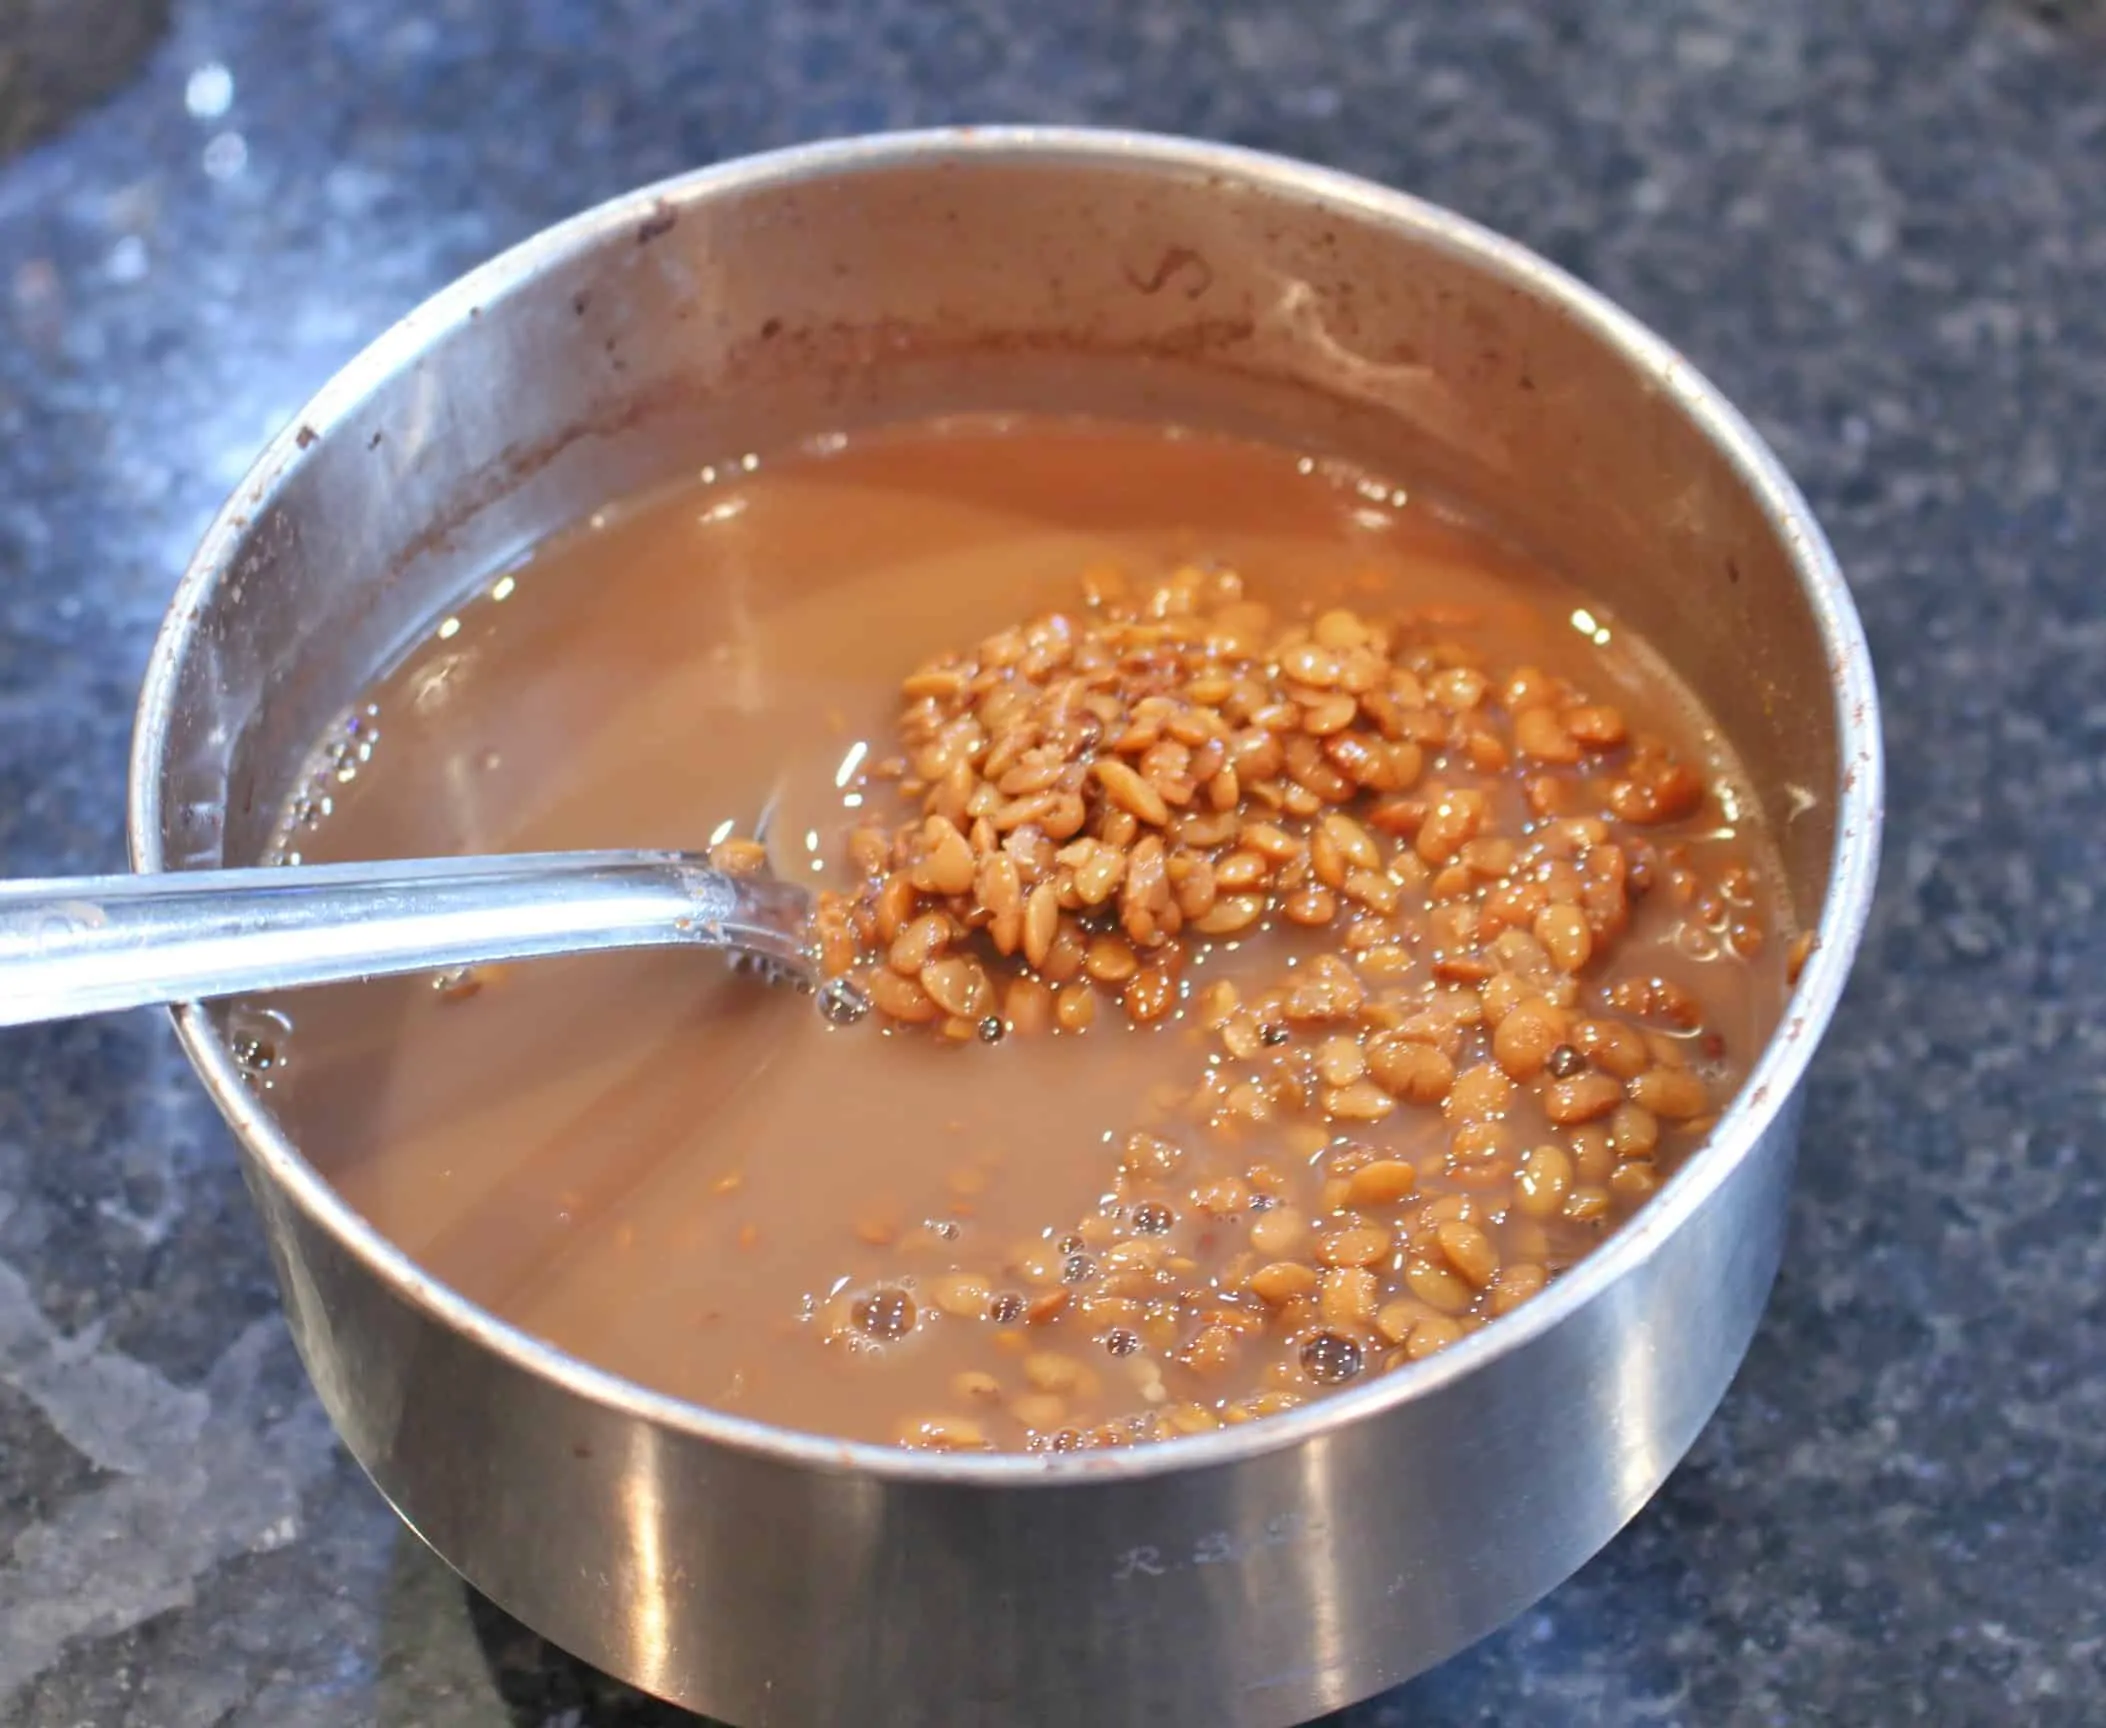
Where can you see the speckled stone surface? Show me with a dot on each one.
(1881, 226)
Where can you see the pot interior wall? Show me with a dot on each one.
(623, 353)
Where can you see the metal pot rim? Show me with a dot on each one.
(1859, 776)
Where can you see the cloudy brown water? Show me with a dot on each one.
(670, 1172)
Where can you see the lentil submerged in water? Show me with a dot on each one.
(1299, 929)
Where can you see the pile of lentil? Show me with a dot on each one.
(1451, 1089)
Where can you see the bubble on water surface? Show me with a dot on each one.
(1331, 1358)
(886, 1313)
(257, 1038)
(842, 1003)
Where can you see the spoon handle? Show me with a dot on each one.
(93, 944)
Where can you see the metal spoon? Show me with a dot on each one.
(93, 944)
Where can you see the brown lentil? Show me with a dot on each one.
(1075, 1007)
(1633, 1181)
(1581, 1099)
(1674, 1093)
(1358, 1245)
(1435, 1332)
(1382, 1183)
(1415, 1072)
(1469, 1250)
(1346, 1296)
(1526, 1038)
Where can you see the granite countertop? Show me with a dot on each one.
(1881, 227)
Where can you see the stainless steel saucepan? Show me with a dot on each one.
(1258, 1576)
